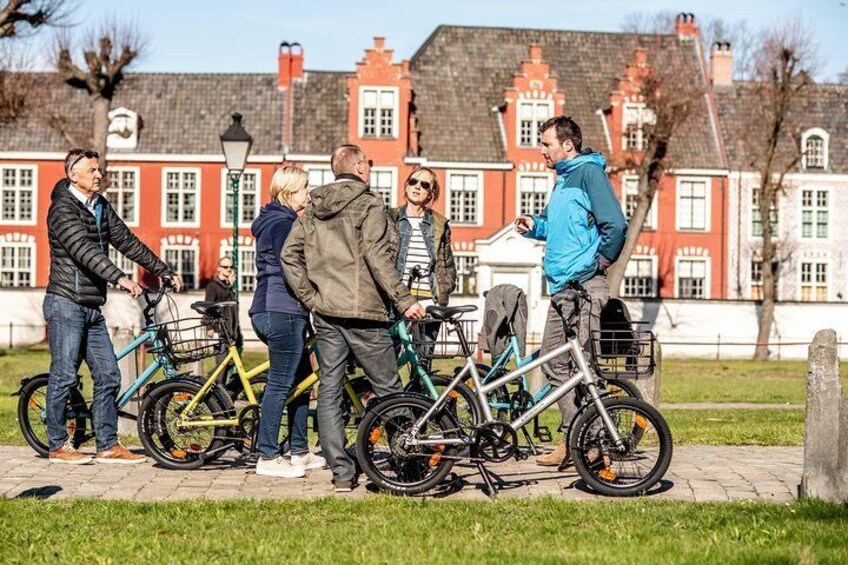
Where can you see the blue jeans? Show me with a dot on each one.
(285, 335)
(78, 332)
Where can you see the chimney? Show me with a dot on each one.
(379, 42)
(721, 64)
(290, 64)
(535, 53)
(685, 26)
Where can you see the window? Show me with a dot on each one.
(246, 263)
(533, 193)
(814, 147)
(639, 279)
(814, 281)
(756, 219)
(532, 114)
(17, 195)
(181, 196)
(466, 275)
(127, 266)
(319, 176)
(122, 193)
(383, 183)
(249, 197)
(465, 197)
(693, 205)
(17, 264)
(814, 214)
(183, 261)
(756, 280)
(692, 278)
(634, 118)
(377, 116)
(631, 200)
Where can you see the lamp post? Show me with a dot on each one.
(236, 143)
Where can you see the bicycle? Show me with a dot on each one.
(32, 394)
(408, 443)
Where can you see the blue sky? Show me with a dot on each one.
(242, 36)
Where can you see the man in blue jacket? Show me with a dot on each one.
(584, 228)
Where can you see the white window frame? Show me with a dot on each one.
(458, 291)
(393, 197)
(707, 275)
(751, 283)
(395, 108)
(193, 246)
(449, 195)
(30, 244)
(654, 275)
(815, 132)
(651, 219)
(16, 221)
(707, 204)
(814, 285)
(225, 186)
(198, 188)
(246, 245)
(549, 181)
(324, 170)
(755, 209)
(535, 122)
(136, 197)
(643, 116)
(121, 261)
(815, 208)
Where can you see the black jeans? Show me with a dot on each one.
(371, 345)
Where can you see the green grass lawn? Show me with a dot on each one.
(391, 530)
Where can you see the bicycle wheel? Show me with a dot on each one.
(394, 466)
(633, 469)
(623, 389)
(32, 415)
(463, 402)
(176, 447)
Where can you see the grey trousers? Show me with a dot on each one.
(372, 346)
(558, 370)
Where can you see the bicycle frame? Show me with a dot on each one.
(160, 361)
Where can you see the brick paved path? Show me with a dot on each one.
(697, 473)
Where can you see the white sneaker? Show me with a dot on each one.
(279, 467)
(309, 461)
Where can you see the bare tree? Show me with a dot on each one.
(105, 52)
(785, 61)
(843, 77)
(740, 36)
(19, 18)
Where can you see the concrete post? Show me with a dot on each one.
(122, 338)
(650, 387)
(825, 473)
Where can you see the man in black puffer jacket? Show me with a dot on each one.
(81, 225)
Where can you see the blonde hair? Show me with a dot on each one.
(286, 181)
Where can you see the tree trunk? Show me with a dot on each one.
(768, 197)
(100, 108)
(615, 273)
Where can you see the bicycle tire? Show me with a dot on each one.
(582, 445)
(29, 409)
(628, 387)
(409, 407)
(158, 435)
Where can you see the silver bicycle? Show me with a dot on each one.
(407, 443)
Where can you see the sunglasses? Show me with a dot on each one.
(84, 155)
(424, 184)
(369, 161)
(226, 267)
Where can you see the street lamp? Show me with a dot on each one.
(236, 143)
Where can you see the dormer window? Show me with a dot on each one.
(378, 112)
(532, 114)
(634, 118)
(123, 129)
(814, 144)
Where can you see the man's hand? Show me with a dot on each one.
(524, 224)
(176, 281)
(129, 286)
(414, 312)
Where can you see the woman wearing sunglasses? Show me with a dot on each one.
(425, 243)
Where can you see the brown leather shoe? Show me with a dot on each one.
(119, 455)
(555, 458)
(70, 456)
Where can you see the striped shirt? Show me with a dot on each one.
(417, 255)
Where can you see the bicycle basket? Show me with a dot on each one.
(624, 351)
(446, 344)
(188, 340)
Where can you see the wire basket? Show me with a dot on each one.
(189, 339)
(624, 351)
(446, 344)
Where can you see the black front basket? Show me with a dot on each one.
(624, 351)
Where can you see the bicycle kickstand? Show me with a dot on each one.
(530, 442)
(490, 489)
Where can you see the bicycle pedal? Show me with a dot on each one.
(543, 433)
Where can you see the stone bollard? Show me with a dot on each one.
(825, 473)
(123, 337)
(650, 387)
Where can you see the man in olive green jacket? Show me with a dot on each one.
(339, 260)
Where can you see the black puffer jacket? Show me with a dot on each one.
(79, 253)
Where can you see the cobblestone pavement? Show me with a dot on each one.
(697, 473)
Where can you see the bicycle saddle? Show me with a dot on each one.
(207, 308)
(449, 312)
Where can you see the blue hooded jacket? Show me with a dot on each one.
(582, 223)
(270, 229)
